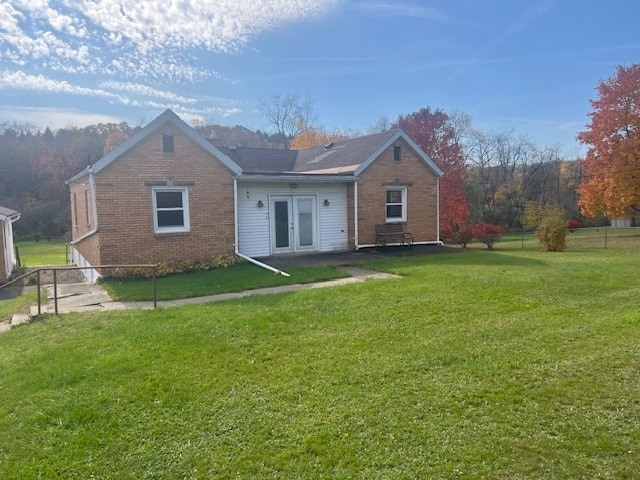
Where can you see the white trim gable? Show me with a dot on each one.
(166, 117)
(416, 148)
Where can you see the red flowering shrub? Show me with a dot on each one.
(487, 233)
(573, 224)
(456, 235)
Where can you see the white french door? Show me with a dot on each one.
(293, 223)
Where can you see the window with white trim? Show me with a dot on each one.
(396, 204)
(170, 210)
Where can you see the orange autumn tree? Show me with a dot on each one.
(318, 137)
(611, 184)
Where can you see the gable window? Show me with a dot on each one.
(396, 204)
(397, 150)
(170, 210)
(167, 143)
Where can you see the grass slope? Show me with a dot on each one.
(474, 365)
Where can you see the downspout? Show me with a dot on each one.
(92, 187)
(237, 252)
(438, 210)
(355, 212)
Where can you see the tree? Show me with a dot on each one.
(436, 136)
(289, 115)
(611, 180)
(318, 137)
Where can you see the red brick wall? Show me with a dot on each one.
(89, 248)
(125, 211)
(82, 211)
(421, 183)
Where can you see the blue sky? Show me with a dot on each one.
(530, 66)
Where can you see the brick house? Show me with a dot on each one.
(167, 194)
(7, 253)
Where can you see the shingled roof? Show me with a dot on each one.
(347, 157)
(7, 213)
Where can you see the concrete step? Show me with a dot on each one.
(19, 319)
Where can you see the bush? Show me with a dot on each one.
(487, 233)
(573, 224)
(456, 235)
(552, 232)
(180, 266)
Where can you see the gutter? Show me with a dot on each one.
(236, 251)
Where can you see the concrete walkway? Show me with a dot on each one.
(86, 297)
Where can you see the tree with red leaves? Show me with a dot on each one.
(436, 136)
(611, 184)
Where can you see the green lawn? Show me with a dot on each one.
(16, 305)
(43, 252)
(244, 276)
(507, 364)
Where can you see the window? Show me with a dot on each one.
(397, 204)
(170, 210)
(396, 153)
(167, 143)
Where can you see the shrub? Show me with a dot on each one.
(552, 231)
(456, 235)
(573, 224)
(487, 233)
(181, 266)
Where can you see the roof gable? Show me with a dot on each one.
(166, 117)
(399, 134)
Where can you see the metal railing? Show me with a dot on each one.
(55, 270)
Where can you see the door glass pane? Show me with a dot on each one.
(305, 222)
(282, 223)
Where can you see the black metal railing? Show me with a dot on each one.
(55, 270)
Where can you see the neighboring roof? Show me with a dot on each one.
(166, 116)
(7, 213)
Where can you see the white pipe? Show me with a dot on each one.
(263, 265)
(438, 209)
(355, 213)
(235, 214)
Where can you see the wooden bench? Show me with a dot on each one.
(392, 233)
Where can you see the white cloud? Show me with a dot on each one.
(147, 91)
(112, 91)
(55, 118)
(219, 25)
(138, 39)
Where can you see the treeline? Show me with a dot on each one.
(34, 166)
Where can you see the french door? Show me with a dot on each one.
(293, 223)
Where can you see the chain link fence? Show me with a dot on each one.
(580, 239)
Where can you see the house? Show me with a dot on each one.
(7, 253)
(169, 194)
